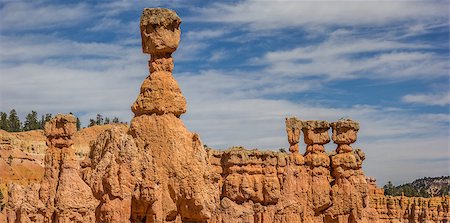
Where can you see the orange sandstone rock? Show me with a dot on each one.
(62, 195)
(293, 130)
(158, 171)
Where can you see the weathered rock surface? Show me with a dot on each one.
(293, 130)
(62, 195)
(158, 171)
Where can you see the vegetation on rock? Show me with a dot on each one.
(423, 187)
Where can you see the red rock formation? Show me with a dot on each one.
(158, 171)
(315, 136)
(387, 209)
(62, 195)
(349, 190)
(293, 130)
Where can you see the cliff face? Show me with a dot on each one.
(159, 171)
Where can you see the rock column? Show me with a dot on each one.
(350, 189)
(66, 196)
(318, 162)
(160, 93)
(293, 130)
(176, 179)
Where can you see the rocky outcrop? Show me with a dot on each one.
(162, 174)
(62, 195)
(350, 190)
(387, 209)
(158, 171)
(293, 130)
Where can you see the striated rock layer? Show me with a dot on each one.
(159, 171)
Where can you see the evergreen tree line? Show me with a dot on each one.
(410, 190)
(12, 122)
(100, 120)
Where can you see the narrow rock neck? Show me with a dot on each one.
(161, 62)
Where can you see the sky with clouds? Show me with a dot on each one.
(246, 65)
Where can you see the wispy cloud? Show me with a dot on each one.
(204, 34)
(260, 15)
(352, 58)
(34, 15)
(439, 99)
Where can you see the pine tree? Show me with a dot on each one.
(45, 119)
(115, 120)
(78, 124)
(31, 122)
(92, 122)
(4, 122)
(42, 122)
(106, 121)
(99, 119)
(14, 122)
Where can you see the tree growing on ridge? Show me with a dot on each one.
(45, 118)
(31, 122)
(14, 122)
(99, 119)
(78, 124)
(4, 122)
(92, 122)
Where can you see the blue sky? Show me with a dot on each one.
(244, 66)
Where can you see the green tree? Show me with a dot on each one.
(78, 124)
(106, 121)
(4, 122)
(44, 119)
(92, 122)
(99, 119)
(115, 120)
(14, 122)
(31, 122)
(389, 189)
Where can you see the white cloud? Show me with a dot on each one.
(342, 58)
(260, 15)
(204, 34)
(33, 48)
(33, 15)
(439, 99)
(194, 42)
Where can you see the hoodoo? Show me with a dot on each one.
(158, 171)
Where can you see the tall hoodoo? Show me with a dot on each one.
(316, 136)
(160, 93)
(66, 196)
(350, 189)
(175, 183)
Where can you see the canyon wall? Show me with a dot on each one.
(158, 171)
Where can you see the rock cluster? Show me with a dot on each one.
(158, 171)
